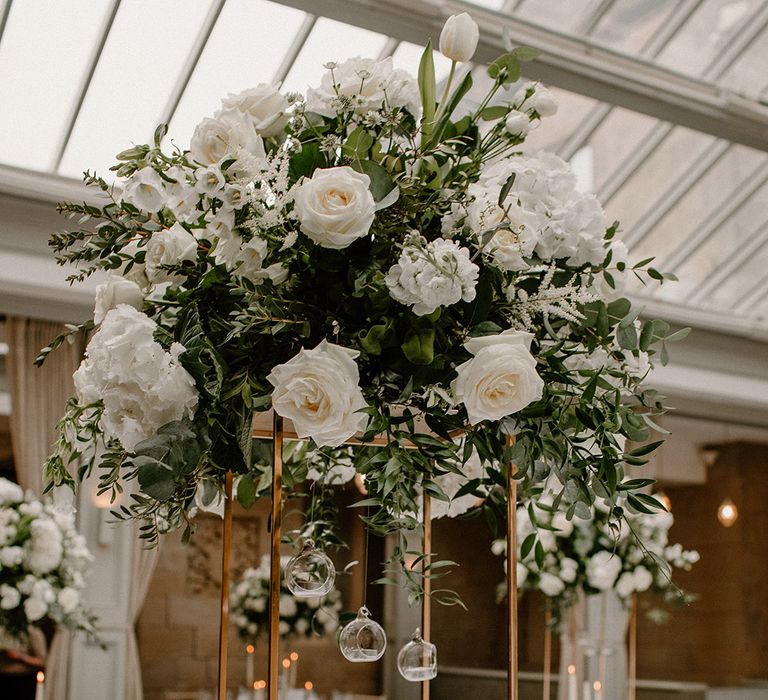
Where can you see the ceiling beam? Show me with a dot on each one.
(575, 64)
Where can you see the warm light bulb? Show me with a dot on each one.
(598, 686)
(665, 500)
(308, 685)
(40, 677)
(259, 685)
(250, 649)
(727, 513)
(294, 656)
(571, 670)
(286, 663)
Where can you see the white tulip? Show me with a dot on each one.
(458, 40)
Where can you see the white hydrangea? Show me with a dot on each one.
(44, 549)
(141, 385)
(431, 275)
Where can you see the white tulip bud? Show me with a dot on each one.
(458, 40)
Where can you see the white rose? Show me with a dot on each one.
(500, 379)
(335, 207)
(264, 104)
(602, 570)
(34, 608)
(68, 599)
(10, 597)
(145, 190)
(517, 123)
(318, 390)
(116, 290)
(458, 40)
(169, 247)
(225, 136)
(543, 101)
(550, 585)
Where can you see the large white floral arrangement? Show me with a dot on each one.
(367, 260)
(43, 562)
(563, 558)
(299, 617)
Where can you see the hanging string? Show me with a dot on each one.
(365, 558)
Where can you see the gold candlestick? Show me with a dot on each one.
(512, 619)
(226, 554)
(273, 665)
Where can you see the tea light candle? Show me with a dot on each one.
(40, 691)
(249, 673)
(294, 670)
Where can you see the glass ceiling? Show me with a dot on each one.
(83, 79)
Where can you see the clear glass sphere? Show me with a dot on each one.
(417, 660)
(363, 639)
(310, 574)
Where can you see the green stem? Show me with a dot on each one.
(444, 98)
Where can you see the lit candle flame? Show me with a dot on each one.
(308, 685)
(294, 656)
(598, 686)
(571, 670)
(286, 663)
(250, 649)
(40, 677)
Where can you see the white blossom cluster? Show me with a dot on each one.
(299, 617)
(43, 562)
(597, 554)
(142, 386)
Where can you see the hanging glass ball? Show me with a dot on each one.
(310, 574)
(417, 660)
(363, 639)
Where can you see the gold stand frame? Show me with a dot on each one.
(547, 681)
(277, 434)
(633, 650)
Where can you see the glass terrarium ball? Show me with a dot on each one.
(417, 660)
(310, 574)
(363, 639)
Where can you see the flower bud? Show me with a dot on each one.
(517, 123)
(458, 40)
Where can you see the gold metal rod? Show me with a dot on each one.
(512, 576)
(633, 650)
(547, 649)
(426, 603)
(273, 666)
(226, 556)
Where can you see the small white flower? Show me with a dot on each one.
(209, 180)
(10, 597)
(459, 37)
(10, 492)
(288, 606)
(145, 190)
(11, 556)
(169, 247)
(603, 569)
(116, 290)
(643, 579)
(264, 104)
(69, 600)
(35, 609)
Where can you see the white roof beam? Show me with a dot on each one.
(295, 48)
(575, 64)
(591, 22)
(755, 295)
(5, 10)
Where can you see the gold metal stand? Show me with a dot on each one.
(426, 603)
(226, 554)
(273, 668)
(633, 650)
(512, 577)
(547, 650)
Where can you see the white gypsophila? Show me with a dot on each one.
(169, 247)
(363, 85)
(429, 276)
(44, 548)
(266, 106)
(569, 569)
(141, 385)
(10, 492)
(116, 290)
(145, 190)
(319, 391)
(500, 379)
(335, 206)
(230, 134)
(603, 569)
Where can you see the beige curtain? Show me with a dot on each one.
(142, 569)
(38, 394)
(38, 401)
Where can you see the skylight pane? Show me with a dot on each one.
(706, 34)
(556, 14)
(733, 289)
(553, 131)
(407, 56)
(749, 74)
(142, 59)
(331, 41)
(246, 48)
(630, 24)
(44, 54)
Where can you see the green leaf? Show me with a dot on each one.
(381, 181)
(155, 478)
(527, 546)
(419, 346)
(306, 161)
(358, 143)
(491, 114)
(506, 189)
(160, 132)
(376, 338)
(525, 54)
(505, 69)
(627, 337)
(427, 88)
(246, 491)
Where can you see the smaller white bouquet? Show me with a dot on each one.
(299, 617)
(43, 562)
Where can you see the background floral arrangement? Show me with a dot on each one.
(43, 562)
(563, 558)
(299, 617)
(368, 260)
